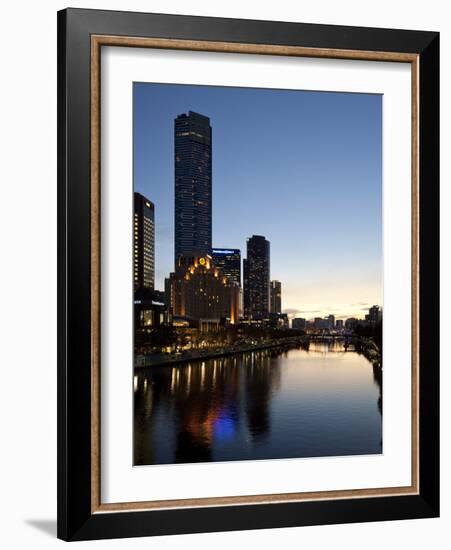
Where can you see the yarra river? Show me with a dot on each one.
(259, 405)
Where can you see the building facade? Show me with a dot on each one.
(257, 278)
(143, 243)
(277, 320)
(374, 315)
(150, 310)
(198, 290)
(351, 323)
(276, 297)
(193, 185)
(228, 261)
(299, 323)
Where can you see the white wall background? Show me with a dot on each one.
(28, 274)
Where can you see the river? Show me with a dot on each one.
(259, 405)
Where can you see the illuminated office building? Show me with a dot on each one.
(256, 270)
(143, 243)
(228, 260)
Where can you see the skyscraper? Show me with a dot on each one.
(143, 243)
(374, 315)
(276, 297)
(193, 186)
(228, 260)
(257, 277)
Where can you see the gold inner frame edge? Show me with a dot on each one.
(97, 41)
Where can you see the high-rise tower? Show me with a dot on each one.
(193, 186)
(143, 243)
(276, 297)
(257, 277)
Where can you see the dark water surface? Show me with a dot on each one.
(260, 405)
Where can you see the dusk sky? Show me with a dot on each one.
(304, 169)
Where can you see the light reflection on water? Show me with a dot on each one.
(260, 405)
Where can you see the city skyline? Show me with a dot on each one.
(341, 282)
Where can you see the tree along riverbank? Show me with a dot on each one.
(156, 360)
(363, 345)
(369, 348)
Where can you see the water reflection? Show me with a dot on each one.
(319, 402)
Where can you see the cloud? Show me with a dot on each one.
(293, 311)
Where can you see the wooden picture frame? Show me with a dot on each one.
(81, 35)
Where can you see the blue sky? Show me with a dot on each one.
(302, 168)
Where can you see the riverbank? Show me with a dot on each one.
(370, 350)
(365, 346)
(145, 361)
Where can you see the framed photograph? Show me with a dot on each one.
(248, 274)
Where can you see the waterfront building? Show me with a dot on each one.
(278, 320)
(276, 297)
(160, 296)
(143, 242)
(339, 324)
(374, 315)
(198, 290)
(228, 260)
(256, 270)
(150, 311)
(245, 308)
(193, 185)
(331, 322)
(240, 303)
(299, 323)
(168, 298)
(322, 323)
(351, 323)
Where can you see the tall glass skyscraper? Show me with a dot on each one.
(193, 186)
(256, 270)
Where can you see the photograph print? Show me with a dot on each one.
(257, 274)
